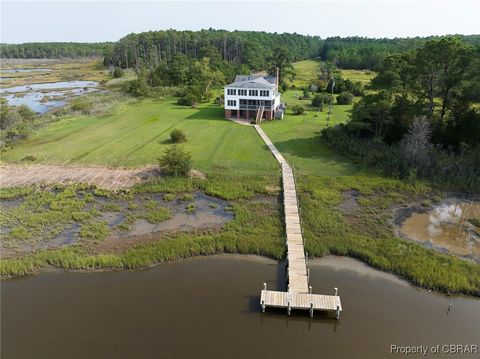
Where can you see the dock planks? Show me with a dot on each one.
(298, 295)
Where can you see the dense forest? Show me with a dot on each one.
(249, 48)
(54, 50)
(419, 120)
(367, 53)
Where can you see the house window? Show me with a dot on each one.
(242, 92)
(264, 93)
(231, 91)
(232, 102)
(253, 92)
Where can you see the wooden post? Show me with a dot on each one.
(263, 306)
(338, 312)
(289, 309)
(309, 289)
(306, 255)
(264, 286)
(336, 291)
(311, 309)
(308, 274)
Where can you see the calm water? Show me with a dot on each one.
(447, 226)
(208, 308)
(12, 71)
(44, 97)
(50, 86)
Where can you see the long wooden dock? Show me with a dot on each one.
(299, 294)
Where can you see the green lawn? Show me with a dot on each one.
(139, 134)
(298, 138)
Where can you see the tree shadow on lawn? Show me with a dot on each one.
(209, 113)
(313, 148)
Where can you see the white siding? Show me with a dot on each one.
(237, 98)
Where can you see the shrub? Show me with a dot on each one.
(176, 162)
(345, 98)
(298, 110)
(118, 72)
(82, 105)
(29, 158)
(319, 100)
(187, 100)
(178, 136)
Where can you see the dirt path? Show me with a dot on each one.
(12, 175)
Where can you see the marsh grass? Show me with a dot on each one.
(187, 197)
(158, 215)
(256, 229)
(95, 231)
(366, 233)
(191, 208)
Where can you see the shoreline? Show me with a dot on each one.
(347, 263)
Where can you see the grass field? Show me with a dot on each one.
(139, 134)
(59, 70)
(308, 71)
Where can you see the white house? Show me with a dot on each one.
(253, 97)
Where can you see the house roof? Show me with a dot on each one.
(253, 81)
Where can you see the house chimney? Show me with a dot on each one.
(277, 72)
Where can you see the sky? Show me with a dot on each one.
(97, 21)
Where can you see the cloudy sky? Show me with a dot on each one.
(90, 21)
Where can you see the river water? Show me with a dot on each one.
(208, 307)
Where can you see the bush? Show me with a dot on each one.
(345, 98)
(298, 110)
(118, 72)
(29, 158)
(319, 100)
(178, 136)
(187, 100)
(176, 162)
(82, 105)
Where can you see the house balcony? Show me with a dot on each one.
(256, 104)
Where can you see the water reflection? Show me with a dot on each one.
(448, 226)
(44, 97)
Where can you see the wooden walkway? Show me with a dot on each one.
(299, 294)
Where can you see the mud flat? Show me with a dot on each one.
(452, 226)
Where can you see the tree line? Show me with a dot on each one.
(250, 48)
(54, 50)
(367, 53)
